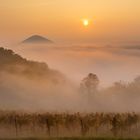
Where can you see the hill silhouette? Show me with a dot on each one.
(36, 39)
(29, 85)
(13, 63)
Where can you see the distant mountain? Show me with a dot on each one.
(36, 39)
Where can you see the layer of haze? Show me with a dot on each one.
(111, 21)
(34, 86)
(110, 63)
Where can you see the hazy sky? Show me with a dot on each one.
(110, 20)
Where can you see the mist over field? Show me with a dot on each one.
(55, 86)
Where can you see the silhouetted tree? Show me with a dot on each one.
(89, 85)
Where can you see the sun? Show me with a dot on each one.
(85, 22)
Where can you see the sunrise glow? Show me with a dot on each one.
(85, 22)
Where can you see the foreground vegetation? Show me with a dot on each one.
(72, 138)
(69, 124)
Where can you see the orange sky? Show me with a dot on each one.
(110, 20)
